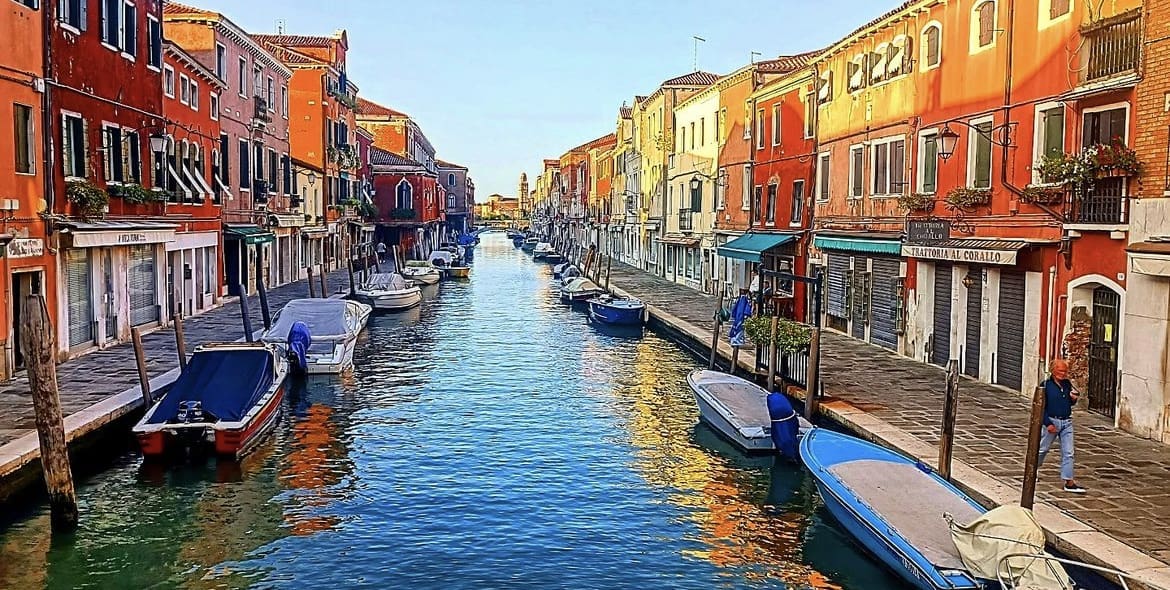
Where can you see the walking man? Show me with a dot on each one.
(1059, 397)
(381, 250)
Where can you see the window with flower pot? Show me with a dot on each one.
(1049, 142)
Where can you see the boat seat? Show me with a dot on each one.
(747, 406)
(910, 502)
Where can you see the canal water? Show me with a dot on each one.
(492, 438)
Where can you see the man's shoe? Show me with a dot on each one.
(1074, 489)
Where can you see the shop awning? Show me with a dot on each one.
(678, 240)
(969, 250)
(863, 245)
(751, 246)
(249, 234)
(118, 233)
(286, 219)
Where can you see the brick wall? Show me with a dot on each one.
(1153, 121)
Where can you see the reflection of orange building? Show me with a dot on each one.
(311, 468)
(28, 266)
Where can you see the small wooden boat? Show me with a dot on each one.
(334, 325)
(458, 272)
(421, 271)
(737, 409)
(530, 244)
(389, 292)
(893, 506)
(554, 257)
(560, 270)
(580, 289)
(227, 398)
(542, 250)
(622, 311)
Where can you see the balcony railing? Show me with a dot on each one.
(261, 113)
(685, 223)
(1103, 203)
(1114, 46)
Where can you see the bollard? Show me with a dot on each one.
(950, 413)
(180, 341)
(39, 346)
(1032, 460)
(714, 333)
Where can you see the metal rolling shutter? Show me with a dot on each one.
(860, 297)
(77, 270)
(941, 341)
(143, 286)
(974, 324)
(838, 271)
(883, 331)
(1010, 349)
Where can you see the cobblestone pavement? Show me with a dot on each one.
(1128, 477)
(94, 377)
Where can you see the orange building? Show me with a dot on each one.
(28, 268)
(1008, 260)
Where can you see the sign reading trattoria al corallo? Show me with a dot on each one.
(972, 255)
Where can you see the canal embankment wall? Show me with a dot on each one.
(667, 304)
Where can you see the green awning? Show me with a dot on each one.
(249, 234)
(865, 245)
(751, 245)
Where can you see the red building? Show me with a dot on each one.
(405, 195)
(194, 277)
(104, 79)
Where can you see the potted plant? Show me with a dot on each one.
(965, 197)
(1112, 159)
(916, 202)
(88, 199)
(1044, 194)
(791, 336)
(1063, 169)
(136, 194)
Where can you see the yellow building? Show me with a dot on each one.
(688, 242)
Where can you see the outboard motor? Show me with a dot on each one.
(299, 340)
(189, 411)
(785, 425)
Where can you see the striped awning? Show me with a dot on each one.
(863, 245)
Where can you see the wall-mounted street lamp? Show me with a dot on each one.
(947, 138)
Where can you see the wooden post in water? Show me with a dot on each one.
(245, 314)
(813, 381)
(772, 355)
(265, 312)
(609, 268)
(324, 283)
(734, 360)
(140, 362)
(39, 347)
(352, 285)
(714, 333)
(950, 413)
(1032, 459)
(180, 341)
(312, 286)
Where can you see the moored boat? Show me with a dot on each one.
(737, 409)
(622, 311)
(580, 289)
(530, 244)
(421, 271)
(227, 398)
(542, 250)
(554, 257)
(334, 325)
(389, 292)
(458, 272)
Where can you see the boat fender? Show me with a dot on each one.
(299, 340)
(785, 425)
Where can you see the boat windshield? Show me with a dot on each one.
(387, 282)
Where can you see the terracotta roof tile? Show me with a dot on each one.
(369, 107)
(288, 56)
(693, 79)
(788, 63)
(381, 157)
(446, 164)
(626, 112)
(298, 40)
(174, 8)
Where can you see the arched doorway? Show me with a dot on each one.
(1103, 351)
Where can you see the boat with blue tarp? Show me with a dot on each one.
(624, 311)
(228, 397)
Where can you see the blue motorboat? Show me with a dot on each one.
(623, 311)
(896, 507)
(518, 241)
(530, 244)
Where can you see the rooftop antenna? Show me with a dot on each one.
(280, 24)
(696, 59)
(754, 54)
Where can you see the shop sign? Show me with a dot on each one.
(970, 255)
(927, 231)
(26, 247)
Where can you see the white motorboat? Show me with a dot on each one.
(334, 325)
(422, 272)
(542, 250)
(389, 292)
(736, 408)
(580, 289)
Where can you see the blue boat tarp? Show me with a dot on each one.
(751, 246)
(226, 382)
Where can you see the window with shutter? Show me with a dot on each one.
(143, 284)
(932, 52)
(23, 134)
(797, 202)
(981, 174)
(77, 271)
(1105, 126)
(130, 30)
(133, 157)
(245, 165)
(823, 174)
(928, 163)
(856, 168)
(986, 15)
(1058, 8)
(770, 206)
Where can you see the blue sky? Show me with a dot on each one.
(497, 85)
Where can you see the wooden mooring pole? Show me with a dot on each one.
(39, 347)
(609, 268)
(714, 333)
(180, 341)
(312, 287)
(1032, 459)
(324, 284)
(352, 285)
(140, 362)
(265, 313)
(772, 355)
(245, 314)
(813, 381)
(946, 444)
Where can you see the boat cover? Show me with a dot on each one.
(387, 282)
(1005, 531)
(227, 383)
(785, 425)
(299, 341)
(326, 319)
(580, 284)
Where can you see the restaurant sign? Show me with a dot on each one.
(971, 255)
(26, 247)
(90, 239)
(927, 231)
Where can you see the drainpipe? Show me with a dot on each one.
(816, 161)
(1052, 340)
(47, 117)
